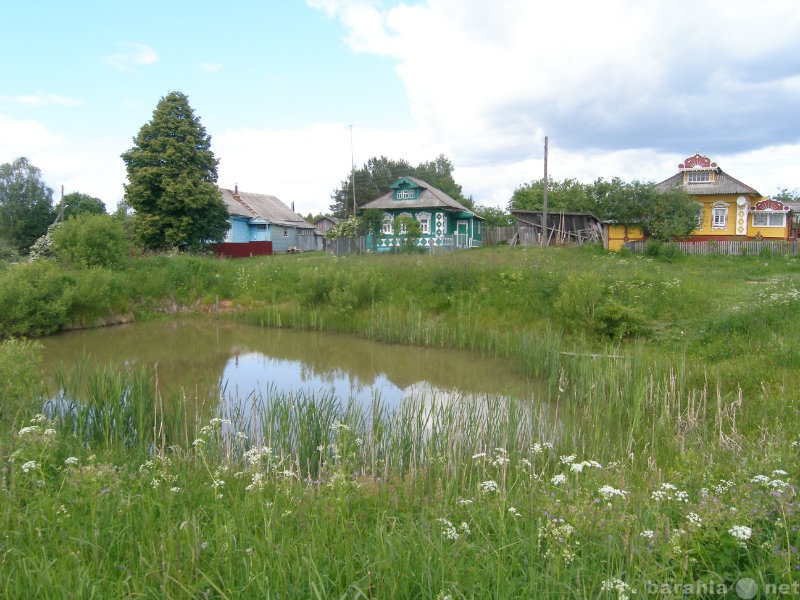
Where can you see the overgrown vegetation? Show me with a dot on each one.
(658, 450)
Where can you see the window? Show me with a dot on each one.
(477, 227)
(425, 224)
(386, 228)
(720, 217)
(405, 195)
(698, 177)
(769, 219)
(285, 232)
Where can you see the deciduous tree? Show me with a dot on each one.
(379, 173)
(172, 177)
(75, 203)
(26, 204)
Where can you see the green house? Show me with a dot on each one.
(444, 222)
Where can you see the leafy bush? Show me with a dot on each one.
(96, 293)
(90, 240)
(34, 300)
(20, 377)
(617, 321)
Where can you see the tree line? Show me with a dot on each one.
(176, 204)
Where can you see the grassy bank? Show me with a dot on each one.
(660, 452)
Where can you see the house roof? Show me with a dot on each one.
(723, 183)
(430, 197)
(269, 208)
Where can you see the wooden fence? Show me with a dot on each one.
(532, 236)
(734, 247)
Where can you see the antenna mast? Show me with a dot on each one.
(544, 203)
(352, 170)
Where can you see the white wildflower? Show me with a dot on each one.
(199, 442)
(38, 418)
(478, 455)
(218, 483)
(779, 472)
(175, 489)
(448, 530)
(617, 585)
(647, 533)
(488, 486)
(49, 431)
(28, 429)
(257, 482)
(28, 466)
(72, 460)
(525, 462)
(501, 461)
(567, 459)
(741, 533)
(513, 512)
(465, 528)
(695, 519)
(558, 479)
(608, 492)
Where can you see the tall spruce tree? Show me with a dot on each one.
(172, 177)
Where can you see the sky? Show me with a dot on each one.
(294, 92)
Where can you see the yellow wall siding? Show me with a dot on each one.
(616, 235)
(708, 203)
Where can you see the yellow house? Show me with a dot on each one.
(730, 209)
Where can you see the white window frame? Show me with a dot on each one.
(719, 216)
(386, 226)
(698, 177)
(424, 223)
(768, 219)
(404, 195)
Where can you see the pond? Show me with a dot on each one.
(210, 359)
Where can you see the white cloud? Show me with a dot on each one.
(306, 166)
(24, 137)
(134, 54)
(41, 99)
(89, 166)
(623, 88)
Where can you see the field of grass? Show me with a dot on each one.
(657, 457)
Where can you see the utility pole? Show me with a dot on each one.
(353, 170)
(544, 204)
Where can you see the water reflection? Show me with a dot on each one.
(197, 356)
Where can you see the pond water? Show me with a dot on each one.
(201, 357)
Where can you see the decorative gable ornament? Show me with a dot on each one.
(697, 162)
(770, 205)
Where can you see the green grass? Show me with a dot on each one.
(663, 420)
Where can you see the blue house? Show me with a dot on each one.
(444, 222)
(262, 224)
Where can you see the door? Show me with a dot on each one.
(462, 229)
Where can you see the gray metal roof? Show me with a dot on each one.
(430, 197)
(269, 208)
(724, 184)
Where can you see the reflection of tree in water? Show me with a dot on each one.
(191, 355)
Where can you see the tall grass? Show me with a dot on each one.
(655, 451)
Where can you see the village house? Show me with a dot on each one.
(262, 224)
(730, 210)
(444, 222)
